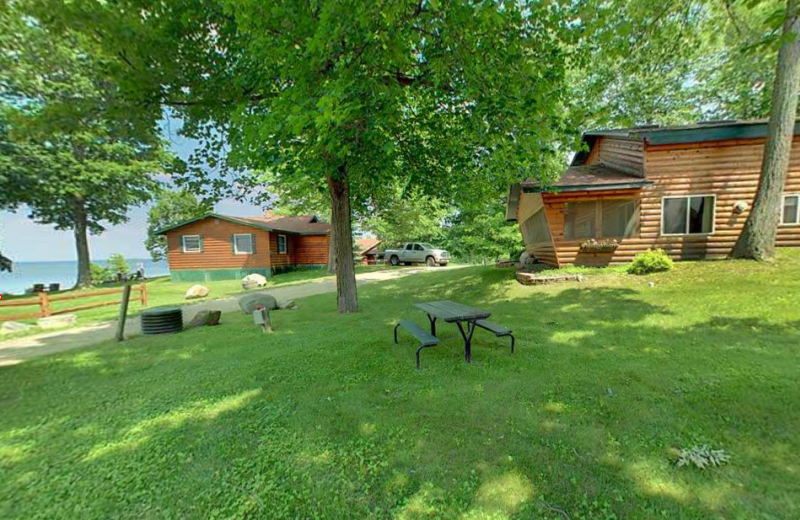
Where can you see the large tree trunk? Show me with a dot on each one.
(342, 237)
(757, 240)
(82, 244)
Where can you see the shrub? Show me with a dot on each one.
(651, 261)
(98, 274)
(117, 265)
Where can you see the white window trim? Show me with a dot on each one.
(199, 244)
(285, 244)
(687, 234)
(783, 207)
(236, 245)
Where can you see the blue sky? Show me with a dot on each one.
(22, 240)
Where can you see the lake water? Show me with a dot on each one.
(25, 274)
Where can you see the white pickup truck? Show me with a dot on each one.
(413, 252)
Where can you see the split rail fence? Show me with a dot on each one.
(45, 301)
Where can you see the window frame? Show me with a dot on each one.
(199, 244)
(285, 245)
(236, 245)
(688, 215)
(783, 209)
(598, 218)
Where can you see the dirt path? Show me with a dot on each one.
(18, 350)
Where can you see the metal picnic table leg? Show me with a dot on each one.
(432, 319)
(467, 339)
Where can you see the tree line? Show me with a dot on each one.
(364, 109)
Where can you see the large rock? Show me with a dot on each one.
(58, 322)
(251, 281)
(10, 327)
(205, 318)
(197, 291)
(286, 304)
(249, 302)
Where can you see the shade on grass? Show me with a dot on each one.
(327, 418)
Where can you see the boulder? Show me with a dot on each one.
(251, 281)
(10, 327)
(197, 291)
(286, 304)
(523, 258)
(58, 322)
(250, 302)
(205, 318)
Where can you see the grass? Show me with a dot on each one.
(327, 418)
(161, 292)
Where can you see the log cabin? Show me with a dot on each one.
(367, 250)
(685, 189)
(223, 247)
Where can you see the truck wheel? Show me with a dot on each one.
(394, 261)
(430, 261)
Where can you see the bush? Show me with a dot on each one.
(651, 261)
(118, 266)
(98, 274)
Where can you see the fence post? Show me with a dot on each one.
(123, 311)
(44, 304)
(143, 293)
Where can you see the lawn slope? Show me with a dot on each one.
(327, 418)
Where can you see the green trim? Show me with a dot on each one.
(590, 187)
(213, 275)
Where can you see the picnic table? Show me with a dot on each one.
(454, 312)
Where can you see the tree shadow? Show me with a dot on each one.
(328, 418)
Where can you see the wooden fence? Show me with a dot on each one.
(44, 301)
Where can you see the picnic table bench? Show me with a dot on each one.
(465, 317)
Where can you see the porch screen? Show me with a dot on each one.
(535, 230)
(580, 220)
(601, 219)
(619, 218)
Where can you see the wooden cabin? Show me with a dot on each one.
(685, 189)
(222, 247)
(367, 250)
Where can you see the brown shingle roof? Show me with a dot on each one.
(589, 177)
(305, 224)
(365, 244)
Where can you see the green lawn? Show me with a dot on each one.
(327, 418)
(161, 292)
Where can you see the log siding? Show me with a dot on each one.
(728, 170)
(218, 252)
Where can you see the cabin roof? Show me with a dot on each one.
(365, 245)
(300, 225)
(588, 178)
(693, 133)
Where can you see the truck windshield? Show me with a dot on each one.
(427, 246)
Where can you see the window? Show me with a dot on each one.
(790, 214)
(192, 243)
(601, 219)
(418, 247)
(688, 215)
(243, 244)
(535, 230)
(410, 247)
(282, 245)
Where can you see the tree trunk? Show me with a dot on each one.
(757, 240)
(342, 237)
(331, 253)
(82, 244)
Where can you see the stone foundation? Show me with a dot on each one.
(536, 279)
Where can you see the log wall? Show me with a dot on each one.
(727, 169)
(217, 250)
(620, 154)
